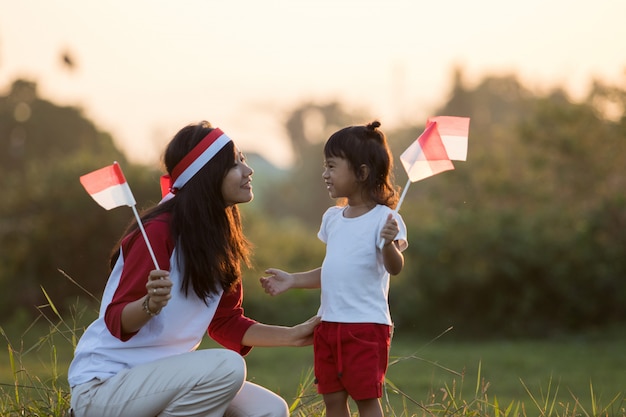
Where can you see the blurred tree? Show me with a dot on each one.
(525, 238)
(517, 240)
(522, 239)
(44, 223)
(302, 193)
(285, 244)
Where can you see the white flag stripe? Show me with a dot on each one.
(424, 169)
(115, 196)
(420, 170)
(413, 153)
(456, 147)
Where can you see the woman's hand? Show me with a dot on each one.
(303, 332)
(137, 313)
(159, 287)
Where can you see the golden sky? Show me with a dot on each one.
(145, 68)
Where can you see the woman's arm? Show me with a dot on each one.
(125, 307)
(260, 334)
(137, 313)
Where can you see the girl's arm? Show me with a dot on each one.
(280, 281)
(392, 257)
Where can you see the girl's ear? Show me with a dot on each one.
(363, 173)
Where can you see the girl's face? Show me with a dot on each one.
(237, 184)
(340, 178)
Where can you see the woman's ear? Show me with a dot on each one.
(364, 172)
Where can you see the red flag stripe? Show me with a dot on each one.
(451, 126)
(431, 144)
(103, 178)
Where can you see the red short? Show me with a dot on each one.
(351, 357)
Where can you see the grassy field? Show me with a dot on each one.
(561, 370)
(537, 375)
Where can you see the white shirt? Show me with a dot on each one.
(354, 281)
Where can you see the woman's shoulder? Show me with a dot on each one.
(161, 218)
(157, 227)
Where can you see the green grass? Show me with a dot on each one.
(511, 368)
(563, 370)
(563, 376)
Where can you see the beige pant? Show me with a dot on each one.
(204, 383)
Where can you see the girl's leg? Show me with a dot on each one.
(255, 401)
(200, 383)
(337, 404)
(369, 408)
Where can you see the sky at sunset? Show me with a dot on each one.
(145, 68)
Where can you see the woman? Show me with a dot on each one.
(139, 357)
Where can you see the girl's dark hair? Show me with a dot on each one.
(366, 145)
(207, 232)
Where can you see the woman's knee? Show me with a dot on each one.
(256, 401)
(232, 366)
(279, 407)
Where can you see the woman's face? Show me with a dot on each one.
(237, 184)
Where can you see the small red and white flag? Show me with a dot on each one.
(444, 139)
(454, 132)
(108, 187)
(426, 156)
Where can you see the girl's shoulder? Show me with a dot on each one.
(331, 215)
(380, 211)
(383, 208)
(333, 211)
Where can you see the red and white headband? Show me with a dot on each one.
(189, 166)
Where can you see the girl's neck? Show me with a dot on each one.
(356, 209)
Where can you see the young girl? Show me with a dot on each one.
(139, 358)
(351, 345)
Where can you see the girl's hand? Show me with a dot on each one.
(390, 230)
(277, 282)
(159, 288)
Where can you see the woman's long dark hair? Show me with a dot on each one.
(208, 234)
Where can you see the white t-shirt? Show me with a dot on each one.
(354, 281)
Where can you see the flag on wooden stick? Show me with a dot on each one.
(426, 156)
(444, 139)
(108, 187)
(454, 132)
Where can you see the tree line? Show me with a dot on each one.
(525, 238)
